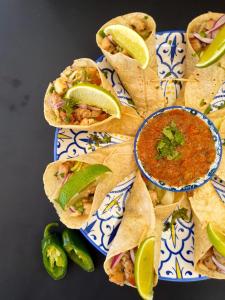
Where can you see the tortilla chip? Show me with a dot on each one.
(207, 205)
(139, 215)
(127, 124)
(201, 246)
(142, 85)
(119, 158)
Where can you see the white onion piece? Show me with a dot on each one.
(219, 265)
(116, 259)
(220, 22)
(132, 255)
(202, 39)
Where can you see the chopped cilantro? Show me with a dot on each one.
(167, 74)
(194, 54)
(79, 206)
(146, 17)
(171, 138)
(102, 33)
(202, 34)
(56, 174)
(95, 139)
(208, 109)
(181, 213)
(68, 107)
(169, 42)
(62, 175)
(222, 105)
(202, 102)
(105, 73)
(51, 90)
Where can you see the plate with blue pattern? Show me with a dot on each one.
(177, 245)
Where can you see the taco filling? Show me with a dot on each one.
(138, 23)
(78, 183)
(213, 261)
(122, 268)
(68, 111)
(205, 33)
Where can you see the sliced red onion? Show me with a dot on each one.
(214, 33)
(116, 259)
(93, 108)
(220, 22)
(84, 106)
(66, 178)
(202, 39)
(72, 209)
(219, 265)
(132, 255)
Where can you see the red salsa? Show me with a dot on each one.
(191, 156)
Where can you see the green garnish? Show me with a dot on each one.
(223, 142)
(222, 105)
(146, 17)
(171, 139)
(102, 33)
(105, 73)
(95, 139)
(202, 102)
(78, 205)
(181, 213)
(62, 175)
(169, 42)
(202, 34)
(167, 74)
(194, 54)
(68, 107)
(51, 90)
(208, 109)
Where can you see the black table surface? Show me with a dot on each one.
(37, 40)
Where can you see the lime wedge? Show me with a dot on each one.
(79, 181)
(217, 238)
(144, 268)
(131, 41)
(91, 94)
(214, 51)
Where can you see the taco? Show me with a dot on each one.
(142, 84)
(77, 186)
(62, 111)
(139, 214)
(207, 260)
(203, 83)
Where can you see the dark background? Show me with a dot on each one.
(37, 40)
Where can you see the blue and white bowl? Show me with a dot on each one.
(200, 181)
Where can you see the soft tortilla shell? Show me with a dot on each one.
(119, 158)
(207, 205)
(139, 215)
(201, 246)
(203, 83)
(127, 124)
(142, 85)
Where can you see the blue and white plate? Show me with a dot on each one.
(177, 245)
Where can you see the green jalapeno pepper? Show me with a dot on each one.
(76, 250)
(53, 254)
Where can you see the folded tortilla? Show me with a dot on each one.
(201, 247)
(120, 160)
(203, 83)
(207, 206)
(127, 124)
(137, 224)
(142, 85)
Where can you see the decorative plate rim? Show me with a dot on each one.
(214, 166)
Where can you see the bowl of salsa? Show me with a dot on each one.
(178, 148)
